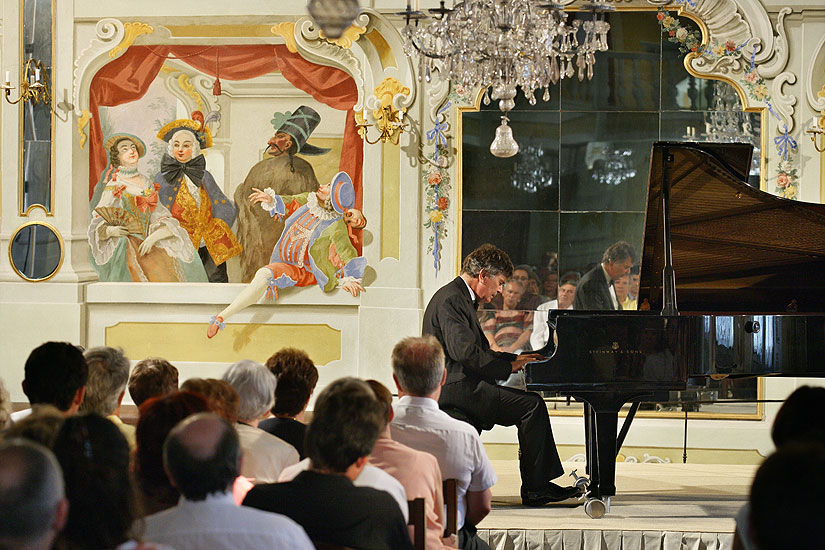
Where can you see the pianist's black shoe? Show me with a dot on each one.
(551, 493)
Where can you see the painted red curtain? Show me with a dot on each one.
(128, 77)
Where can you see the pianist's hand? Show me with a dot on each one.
(525, 358)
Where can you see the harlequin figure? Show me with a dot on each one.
(315, 246)
(190, 193)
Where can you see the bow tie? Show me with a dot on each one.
(173, 170)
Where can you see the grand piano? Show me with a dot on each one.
(732, 285)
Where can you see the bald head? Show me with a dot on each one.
(202, 456)
(32, 504)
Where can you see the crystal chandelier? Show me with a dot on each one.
(614, 168)
(726, 122)
(501, 45)
(532, 172)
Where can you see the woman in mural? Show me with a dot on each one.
(314, 248)
(132, 236)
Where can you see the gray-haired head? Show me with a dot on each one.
(108, 376)
(493, 260)
(256, 386)
(418, 365)
(31, 491)
(619, 251)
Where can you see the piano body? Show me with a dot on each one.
(735, 283)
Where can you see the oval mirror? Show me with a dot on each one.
(36, 251)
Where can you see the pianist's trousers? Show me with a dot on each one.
(491, 404)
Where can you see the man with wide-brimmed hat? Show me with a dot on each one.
(315, 246)
(285, 174)
(190, 193)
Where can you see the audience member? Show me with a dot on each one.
(297, 377)
(528, 300)
(264, 455)
(781, 517)
(94, 457)
(202, 457)
(225, 402)
(635, 277)
(550, 286)
(621, 287)
(108, 375)
(33, 508)
(55, 374)
(509, 328)
(345, 425)
(418, 371)
(158, 415)
(41, 426)
(5, 407)
(595, 291)
(152, 377)
(222, 397)
(533, 286)
(370, 476)
(417, 471)
(800, 419)
(541, 332)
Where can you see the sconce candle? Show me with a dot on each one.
(8, 77)
(37, 75)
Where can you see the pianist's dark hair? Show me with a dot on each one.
(619, 251)
(490, 258)
(801, 417)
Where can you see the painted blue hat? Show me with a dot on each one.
(341, 192)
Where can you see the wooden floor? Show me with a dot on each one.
(696, 499)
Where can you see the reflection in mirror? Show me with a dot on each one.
(36, 251)
(579, 182)
(36, 117)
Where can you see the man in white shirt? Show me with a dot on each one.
(541, 332)
(202, 457)
(264, 455)
(418, 371)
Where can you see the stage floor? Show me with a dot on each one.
(698, 500)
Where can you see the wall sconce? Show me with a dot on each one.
(390, 123)
(34, 87)
(817, 130)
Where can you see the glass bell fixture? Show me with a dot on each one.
(504, 145)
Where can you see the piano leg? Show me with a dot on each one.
(601, 415)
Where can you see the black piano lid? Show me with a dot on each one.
(735, 248)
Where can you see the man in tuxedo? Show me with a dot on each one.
(473, 369)
(594, 290)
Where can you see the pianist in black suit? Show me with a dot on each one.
(473, 369)
(594, 290)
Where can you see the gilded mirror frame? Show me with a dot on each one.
(49, 210)
(60, 242)
(459, 140)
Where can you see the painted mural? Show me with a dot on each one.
(180, 195)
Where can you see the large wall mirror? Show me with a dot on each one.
(36, 118)
(579, 181)
(36, 251)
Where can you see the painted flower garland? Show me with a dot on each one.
(787, 178)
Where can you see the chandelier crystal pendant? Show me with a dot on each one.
(502, 45)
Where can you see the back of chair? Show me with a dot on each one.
(451, 503)
(418, 521)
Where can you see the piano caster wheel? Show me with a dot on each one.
(581, 482)
(596, 508)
